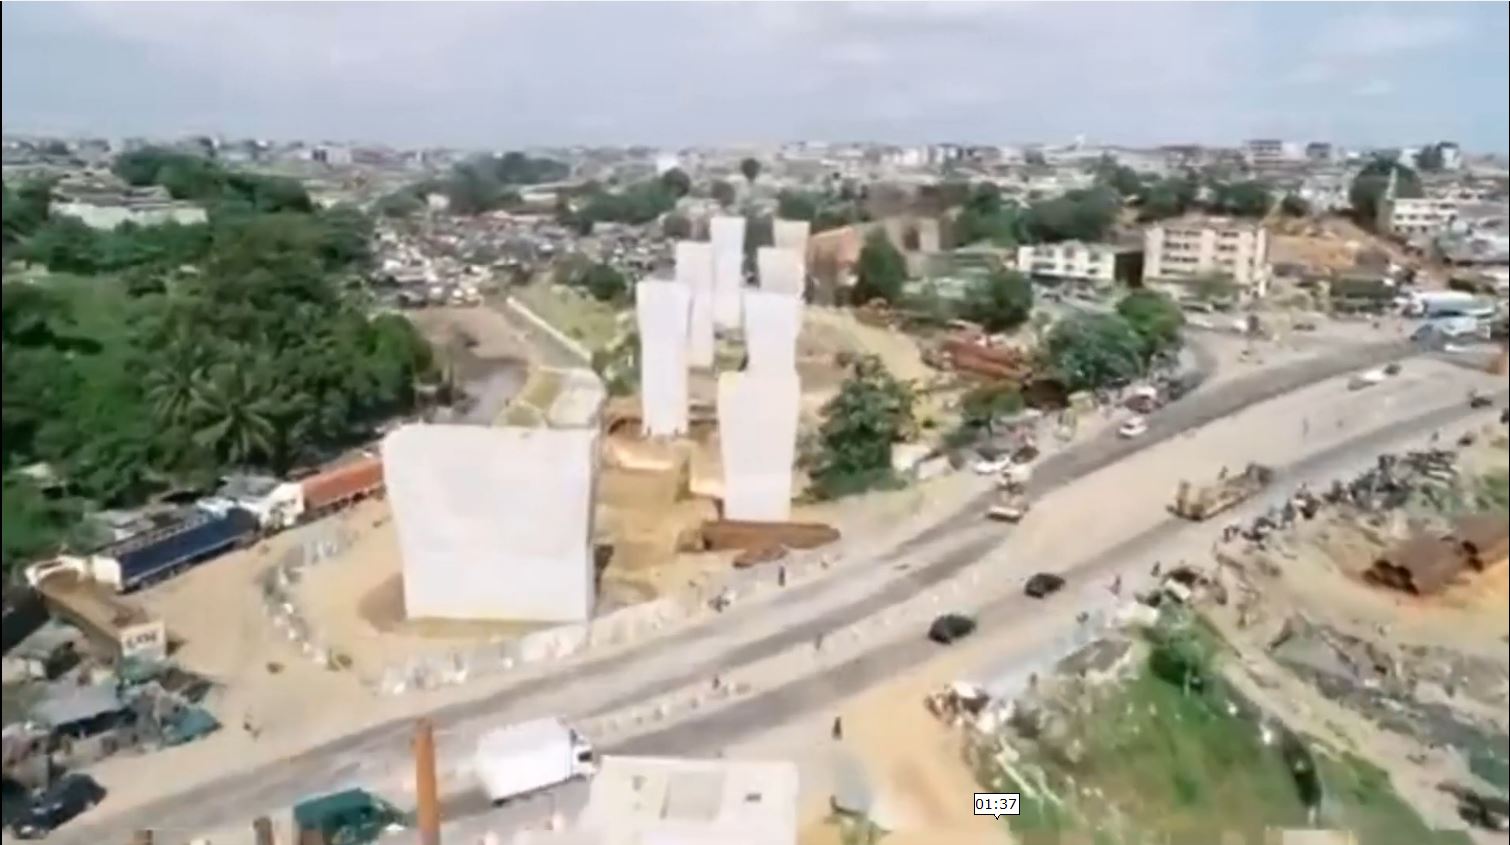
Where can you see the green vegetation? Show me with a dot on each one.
(1094, 350)
(980, 408)
(1155, 318)
(1430, 159)
(750, 168)
(999, 300)
(1240, 199)
(602, 282)
(986, 218)
(580, 317)
(1292, 205)
(261, 356)
(479, 184)
(881, 271)
(1169, 197)
(1170, 755)
(676, 182)
(636, 204)
(824, 210)
(872, 411)
(1493, 491)
(1080, 215)
(1372, 181)
(1119, 177)
(204, 180)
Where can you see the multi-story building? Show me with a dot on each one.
(1265, 151)
(1320, 151)
(1416, 217)
(1094, 262)
(1193, 247)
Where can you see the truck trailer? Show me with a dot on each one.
(341, 485)
(158, 554)
(530, 756)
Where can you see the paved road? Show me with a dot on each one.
(770, 709)
(738, 636)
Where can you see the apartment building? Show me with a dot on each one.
(1093, 262)
(1416, 217)
(1193, 247)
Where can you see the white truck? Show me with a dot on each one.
(530, 756)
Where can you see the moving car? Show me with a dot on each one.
(54, 806)
(1043, 584)
(1134, 427)
(1367, 379)
(950, 627)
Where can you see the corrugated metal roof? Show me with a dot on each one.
(66, 704)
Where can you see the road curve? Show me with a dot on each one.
(205, 806)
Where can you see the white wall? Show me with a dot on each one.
(791, 234)
(494, 522)
(662, 309)
(781, 270)
(773, 320)
(757, 428)
(694, 268)
(728, 236)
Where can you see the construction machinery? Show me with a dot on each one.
(1227, 491)
(351, 817)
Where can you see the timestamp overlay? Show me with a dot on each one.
(998, 804)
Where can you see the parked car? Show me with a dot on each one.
(950, 627)
(1044, 584)
(1478, 400)
(1134, 427)
(52, 807)
(1392, 369)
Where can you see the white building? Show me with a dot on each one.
(494, 522)
(1192, 247)
(1094, 262)
(1413, 217)
(108, 213)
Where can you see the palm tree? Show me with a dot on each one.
(236, 410)
(175, 388)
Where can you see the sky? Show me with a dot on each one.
(502, 75)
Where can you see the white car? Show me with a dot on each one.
(992, 466)
(1367, 379)
(1134, 427)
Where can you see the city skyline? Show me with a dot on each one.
(525, 74)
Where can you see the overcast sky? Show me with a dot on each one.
(514, 74)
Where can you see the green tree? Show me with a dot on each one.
(1373, 180)
(1094, 350)
(1430, 158)
(1213, 287)
(1081, 215)
(1294, 206)
(881, 271)
(872, 411)
(751, 169)
(1156, 319)
(722, 192)
(1169, 197)
(676, 182)
(796, 205)
(676, 227)
(399, 204)
(983, 405)
(1242, 199)
(603, 282)
(1120, 178)
(999, 300)
(235, 410)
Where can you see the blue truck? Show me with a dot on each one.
(165, 551)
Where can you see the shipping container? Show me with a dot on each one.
(151, 557)
(339, 486)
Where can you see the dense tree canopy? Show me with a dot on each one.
(637, 204)
(881, 271)
(602, 282)
(1119, 177)
(1169, 197)
(201, 179)
(676, 182)
(722, 192)
(985, 217)
(1081, 215)
(1293, 205)
(1241, 199)
(872, 411)
(262, 357)
(1155, 318)
(797, 205)
(1094, 350)
(999, 300)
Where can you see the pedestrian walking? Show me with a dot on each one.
(837, 731)
(781, 576)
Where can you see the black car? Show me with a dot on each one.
(1479, 400)
(950, 627)
(50, 808)
(1043, 584)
